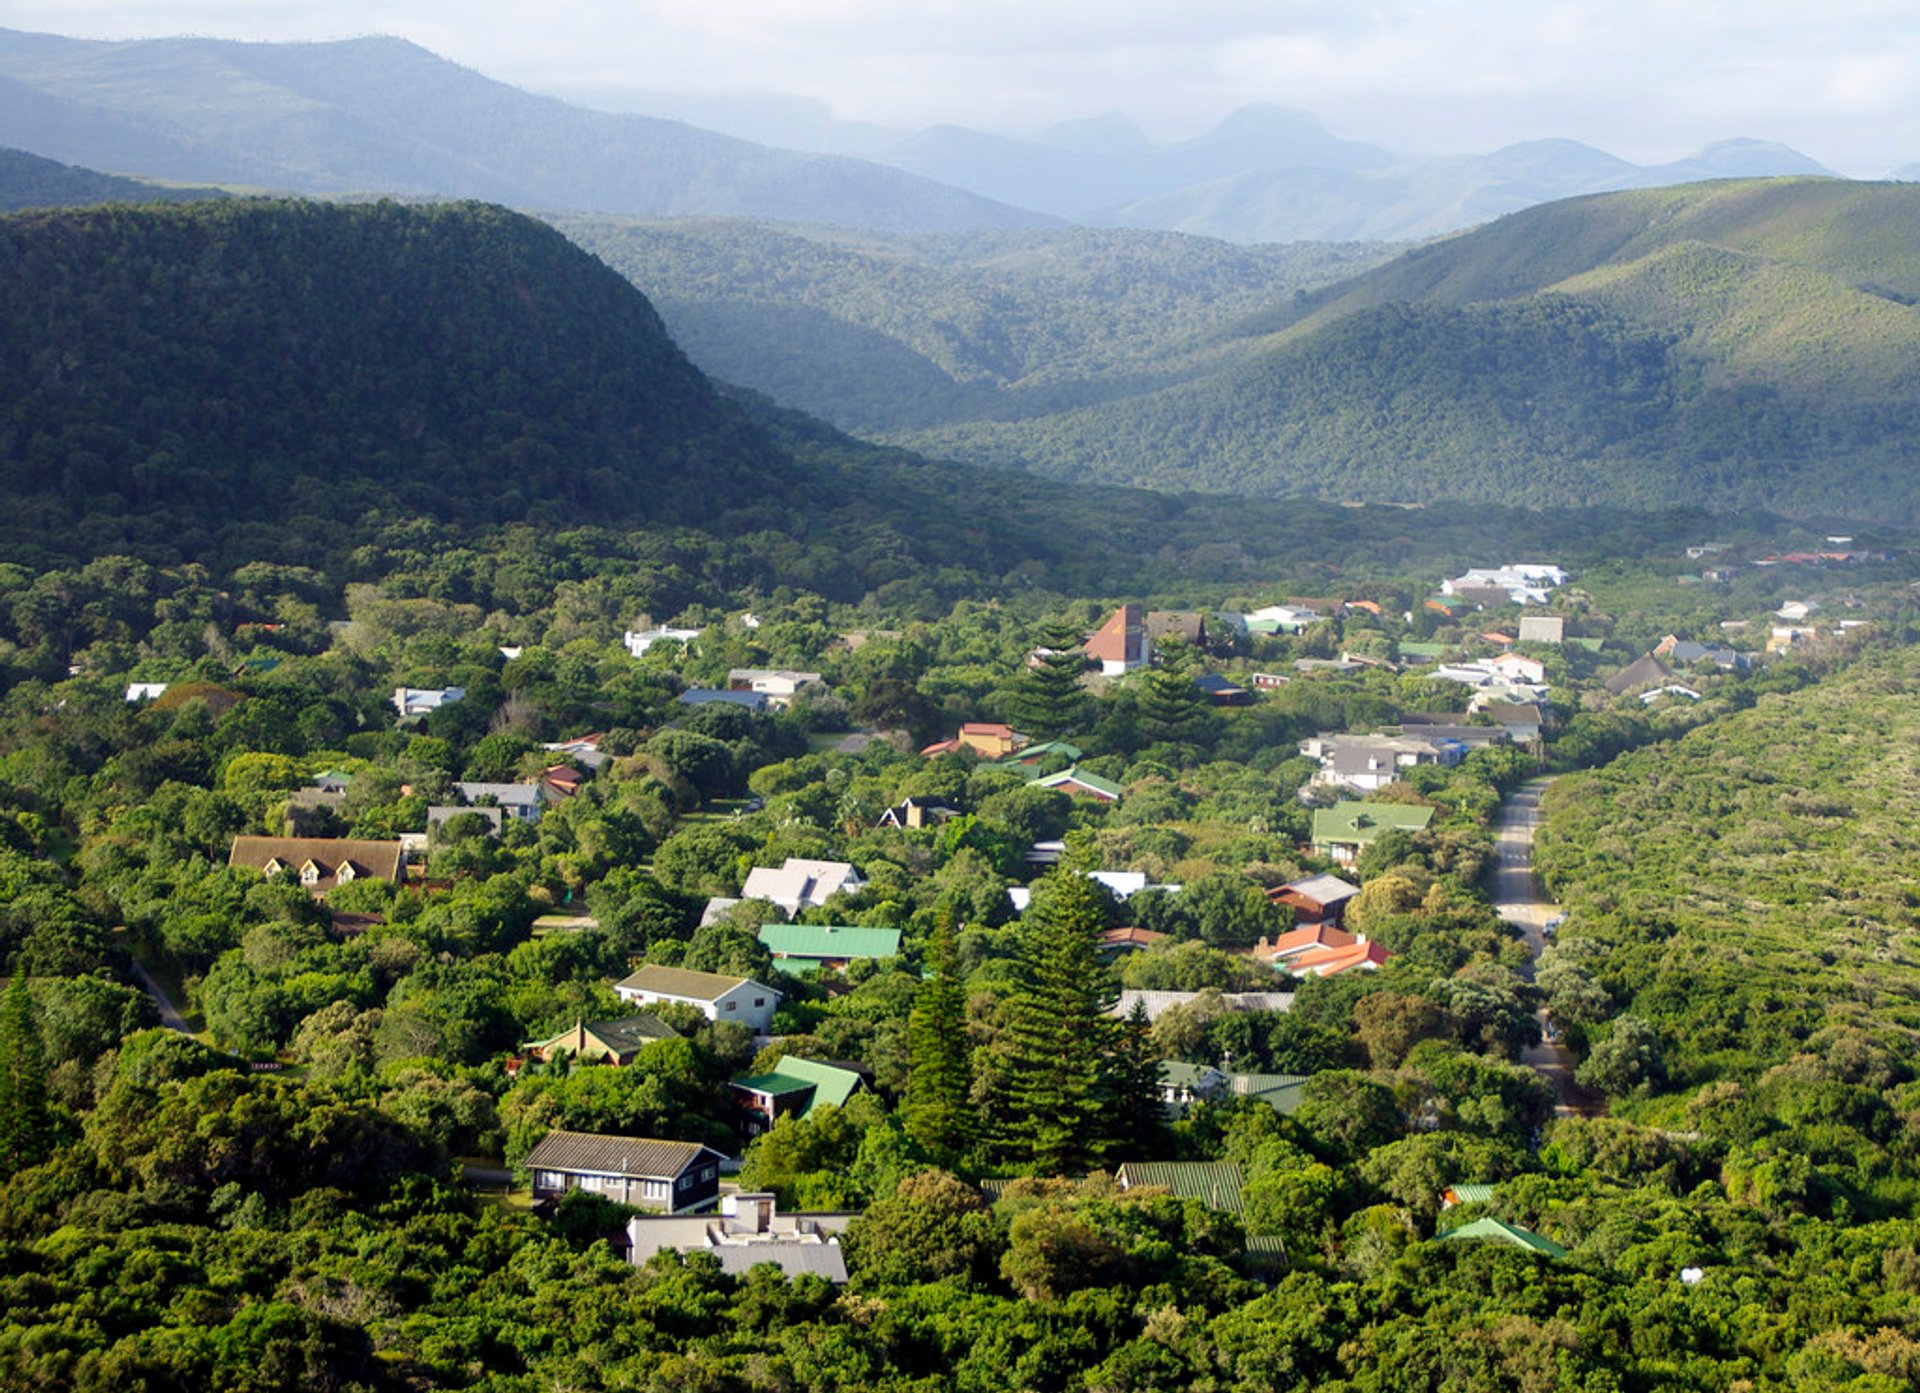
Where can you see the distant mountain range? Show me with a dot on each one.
(27, 181)
(385, 116)
(382, 115)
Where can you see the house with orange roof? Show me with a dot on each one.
(1121, 644)
(1308, 938)
(1360, 955)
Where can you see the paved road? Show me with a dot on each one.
(170, 1015)
(1516, 898)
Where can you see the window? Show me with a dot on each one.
(708, 1173)
(759, 1001)
(733, 1005)
(684, 1182)
(550, 1180)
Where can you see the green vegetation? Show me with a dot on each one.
(27, 181)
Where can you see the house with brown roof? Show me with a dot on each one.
(1121, 644)
(1187, 625)
(717, 997)
(672, 1177)
(320, 863)
(615, 1042)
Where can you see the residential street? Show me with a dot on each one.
(1517, 900)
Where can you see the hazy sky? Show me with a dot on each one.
(1647, 79)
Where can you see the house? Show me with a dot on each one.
(778, 685)
(1075, 783)
(1268, 681)
(1371, 762)
(321, 863)
(1543, 628)
(793, 1087)
(1797, 611)
(1319, 899)
(1672, 689)
(1647, 671)
(1222, 691)
(1470, 737)
(1113, 942)
(1499, 1231)
(747, 1231)
(1308, 938)
(988, 739)
(1121, 645)
(1518, 667)
(521, 802)
(1466, 1192)
(917, 813)
(145, 691)
(1520, 720)
(669, 1176)
(1680, 650)
(561, 781)
(714, 996)
(1046, 749)
(1520, 582)
(1158, 1004)
(418, 701)
(639, 640)
(801, 948)
(1216, 1184)
(1182, 1085)
(583, 750)
(1282, 619)
(1187, 626)
(1122, 885)
(1331, 961)
(799, 881)
(615, 1042)
(755, 702)
(1343, 831)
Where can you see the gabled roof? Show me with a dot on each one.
(825, 941)
(1360, 823)
(1647, 671)
(1308, 938)
(1075, 777)
(1215, 1184)
(1498, 1231)
(369, 858)
(634, 1157)
(685, 983)
(1470, 1192)
(832, 1085)
(1322, 889)
(800, 881)
(1033, 754)
(1331, 961)
(620, 1039)
(1121, 639)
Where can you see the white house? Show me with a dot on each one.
(1526, 582)
(777, 685)
(144, 691)
(1517, 667)
(799, 882)
(716, 997)
(418, 701)
(1282, 619)
(638, 641)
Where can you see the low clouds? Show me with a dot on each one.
(1649, 79)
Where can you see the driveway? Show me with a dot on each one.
(1516, 899)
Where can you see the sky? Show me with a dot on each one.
(1650, 80)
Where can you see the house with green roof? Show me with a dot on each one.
(1077, 783)
(799, 949)
(1498, 1231)
(1343, 831)
(1467, 1192)
(793, 1087)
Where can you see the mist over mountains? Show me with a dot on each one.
(382, 115)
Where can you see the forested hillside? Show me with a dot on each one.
(27, 181)
(1741, 343)
(886, 333)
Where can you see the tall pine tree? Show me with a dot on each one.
(1136, 1123)
(1055, 1049)
(937, 1111)
(1047, 700)
(26, 1122)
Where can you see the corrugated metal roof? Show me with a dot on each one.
(1215, 1184)
(635, 1157)
(680, 981)
(1494, 1230)
(829, 941)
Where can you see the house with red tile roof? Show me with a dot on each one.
(1121, 644)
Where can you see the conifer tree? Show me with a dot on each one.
(1055, 1047)
(1136, 1121)
(1047, 700)
(936, 1111)
(26, 1122)
(1171, 706)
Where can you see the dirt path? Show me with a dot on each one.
(1516, 898)
(170, 1015)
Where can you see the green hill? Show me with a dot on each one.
(884, 334)
(266, 380)
(1747, 343)
(27, 181)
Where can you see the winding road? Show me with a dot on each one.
(1516, 899)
